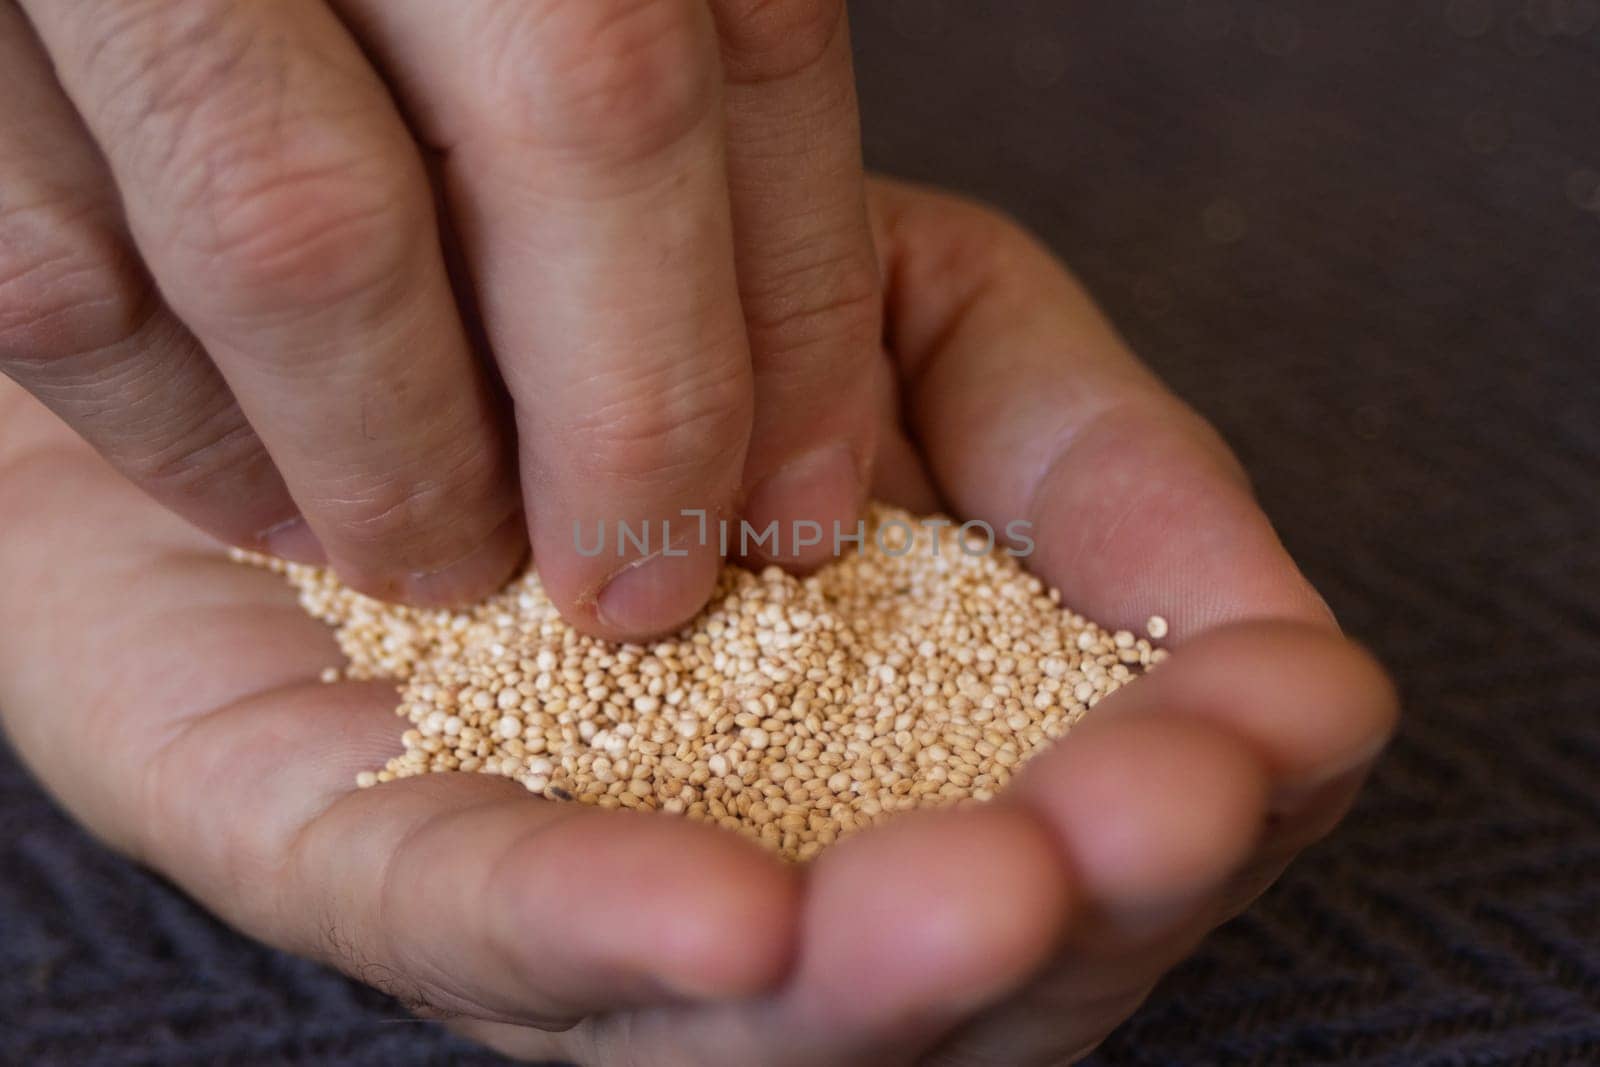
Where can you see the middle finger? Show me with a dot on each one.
(584, 161)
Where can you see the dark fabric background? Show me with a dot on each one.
(1364, 237)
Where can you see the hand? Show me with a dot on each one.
(610, 257)
(170, 700)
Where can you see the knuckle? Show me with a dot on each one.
(971, 245)
(192, 465)
(657, 431)
(283, 227)
(978, 230)
(68, 287)
(270, 195)
(160, 74)
(768, 40)
(158, 53)
(818, 301)
(617, 80)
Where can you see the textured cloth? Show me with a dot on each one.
(1363, 238)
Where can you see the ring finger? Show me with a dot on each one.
(83, 328)
(279, 201)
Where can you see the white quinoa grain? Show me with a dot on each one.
(793, 710)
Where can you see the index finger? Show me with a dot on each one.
(585, 163)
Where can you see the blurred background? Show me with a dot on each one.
(1362, 237)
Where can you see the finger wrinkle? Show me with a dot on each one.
(1062, 451)
(773, 41)
(163, 760)
(919, 346)
(388, 888)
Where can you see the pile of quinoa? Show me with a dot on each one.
(792, 710)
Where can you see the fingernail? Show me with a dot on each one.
(293, 540)
(657, 594)
(474, 576)
(822, 487)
